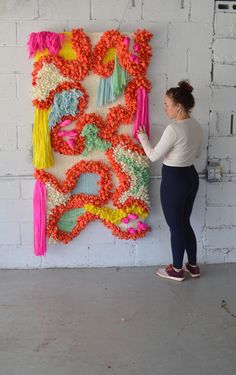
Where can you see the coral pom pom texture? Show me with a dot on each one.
(90, 95)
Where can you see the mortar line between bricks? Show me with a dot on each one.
(17, 85)
(38, 9)
(16, 32)
(142, 10)
(90, 10)
(204, 239)
(190, 9)
(17, 138)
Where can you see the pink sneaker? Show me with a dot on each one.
(193, 271)
(170, 273)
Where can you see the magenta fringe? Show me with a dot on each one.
(45, 39)
(142, 114)
(39, 205)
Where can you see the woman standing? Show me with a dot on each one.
(180, 144)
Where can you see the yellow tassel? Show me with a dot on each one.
(42, 151)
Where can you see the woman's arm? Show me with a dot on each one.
(165, 144)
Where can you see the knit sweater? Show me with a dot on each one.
(180, 143)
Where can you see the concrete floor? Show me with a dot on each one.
(117, 321)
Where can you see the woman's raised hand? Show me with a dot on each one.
(141, 130)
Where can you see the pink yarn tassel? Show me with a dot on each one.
(126, 41)
(136, 47)
(45, 39)
(132, 216)
(142, 114)
(134, 58)
(71, 133)
(132, 230)
(63, 133)
(65, 123)
(71, 143)
(142, 226)
(125, 220)
(39, 202)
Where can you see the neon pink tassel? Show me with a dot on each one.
(45, 39)
(73, 135)
(39, 205)
(65, 123)
(136, 47)
(71, 143)
(70, 133)
(126, 41)
(63, 133)
(142, 226)
(132, 216)
(125, 220)
(134, 58)
(132, 231)
(142, 114)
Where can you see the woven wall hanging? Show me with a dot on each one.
(90, 95)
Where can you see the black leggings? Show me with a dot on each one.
(179, 187)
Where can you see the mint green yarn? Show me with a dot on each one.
(112, 86)
(92, 140)
(69, 219)
(140, 172)
(120, 78)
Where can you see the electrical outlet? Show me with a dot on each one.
(227, 6)
(214, 171)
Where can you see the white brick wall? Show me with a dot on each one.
(225, 25)
(190, 35)
(113, 10)
(190, 41)
(225, 51)
(7, 33)
(223, 99)
(59, 10)
(220, 216)
(7, 86)
(221, 194)
(202, 11)
(168, 10)
(220, 123)
(9, 189)
(225, 75)
(25, 9)
(222, 147)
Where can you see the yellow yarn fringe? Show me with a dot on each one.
(114, 215)
(42, 151)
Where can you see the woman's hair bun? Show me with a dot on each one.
(185, 85)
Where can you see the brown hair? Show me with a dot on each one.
(182, 95)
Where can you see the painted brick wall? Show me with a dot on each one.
(191, 40)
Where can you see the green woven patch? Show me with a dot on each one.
(69, 219)
(92, 140)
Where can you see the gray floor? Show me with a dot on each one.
(117, 321)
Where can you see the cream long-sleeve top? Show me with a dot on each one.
(180, 143)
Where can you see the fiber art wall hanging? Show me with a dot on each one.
(90, 95)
